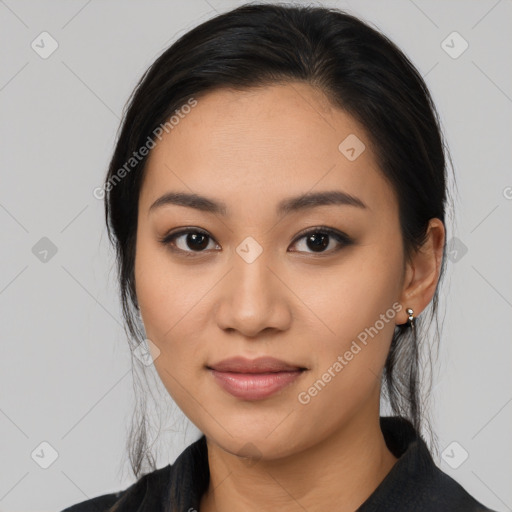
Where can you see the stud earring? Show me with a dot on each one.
(410, 320)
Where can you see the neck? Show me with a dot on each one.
(344, 468)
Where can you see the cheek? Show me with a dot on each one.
(156, 290)
(167, 292)
(171, 300)
(352, 296)
(357, 304)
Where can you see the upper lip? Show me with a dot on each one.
(258, 365)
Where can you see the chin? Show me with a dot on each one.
(254, 443)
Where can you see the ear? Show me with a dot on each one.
(422, 272)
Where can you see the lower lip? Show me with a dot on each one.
(254, 386)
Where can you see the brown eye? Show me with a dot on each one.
(319, 239)
(187, 241)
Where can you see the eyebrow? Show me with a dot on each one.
(286, 206)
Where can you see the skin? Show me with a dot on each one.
(251, 149)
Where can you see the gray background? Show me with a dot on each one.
(65, 365)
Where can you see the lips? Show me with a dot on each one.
(254, 379)
(259, 365)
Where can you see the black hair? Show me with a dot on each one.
(361, 72)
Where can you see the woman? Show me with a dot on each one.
(277, 200)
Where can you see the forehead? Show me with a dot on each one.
(275, 118)
(271, 142)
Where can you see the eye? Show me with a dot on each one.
(193, 240)
(322, 237)
(187, 241)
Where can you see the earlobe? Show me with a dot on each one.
(423, 271)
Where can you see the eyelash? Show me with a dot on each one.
(340, 237)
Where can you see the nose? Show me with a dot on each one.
(253, 299)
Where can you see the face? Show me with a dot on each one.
(314, 285)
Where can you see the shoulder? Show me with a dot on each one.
(150, 486)
(415, 482)
(184, 481)
(444, 493)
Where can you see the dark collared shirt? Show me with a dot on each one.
(414, 484)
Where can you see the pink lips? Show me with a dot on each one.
(254, 379)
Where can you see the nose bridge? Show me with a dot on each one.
(253, 299)
(252, 279)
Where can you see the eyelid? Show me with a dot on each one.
(323, 229)
(342, 238)
(171, 235)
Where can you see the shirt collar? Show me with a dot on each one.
(190, 472)
(413, 483)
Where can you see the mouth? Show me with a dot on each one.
(254, 379)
